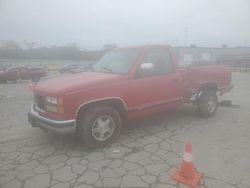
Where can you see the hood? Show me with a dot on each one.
(71, 83)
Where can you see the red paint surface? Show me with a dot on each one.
(141, 97)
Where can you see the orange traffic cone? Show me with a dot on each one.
(187, 173)
(30, 86)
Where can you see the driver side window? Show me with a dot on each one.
(161, 61)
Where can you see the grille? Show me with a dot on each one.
(39, 101)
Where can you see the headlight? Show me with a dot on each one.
(51, 100)
(54, 104)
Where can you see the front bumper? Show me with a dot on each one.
(61, 127)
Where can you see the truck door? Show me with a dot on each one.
(156, 83)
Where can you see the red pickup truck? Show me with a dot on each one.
(125, 83)
(15, 73)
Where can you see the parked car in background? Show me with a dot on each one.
(16, 73)
(125, 83)
(4, 67)
(82, 68)
(68, 68)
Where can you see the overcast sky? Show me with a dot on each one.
(92, 23)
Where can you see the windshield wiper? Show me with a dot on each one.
(107, 69)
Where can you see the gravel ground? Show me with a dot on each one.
(145, 155)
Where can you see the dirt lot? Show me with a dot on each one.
(145, 155)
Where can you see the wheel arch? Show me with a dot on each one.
(205, 87)
(116, 102)
(209, 85)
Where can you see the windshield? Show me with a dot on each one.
(117, 61)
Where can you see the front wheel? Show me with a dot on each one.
(207, 103)
(99, 126)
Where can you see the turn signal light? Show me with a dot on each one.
(61, 110)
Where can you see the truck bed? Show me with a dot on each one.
(194, 77)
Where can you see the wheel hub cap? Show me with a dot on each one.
(103, 128)
(211, 106)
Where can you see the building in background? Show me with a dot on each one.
(233, 56)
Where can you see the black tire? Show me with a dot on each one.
(88, 121)
(205, 109)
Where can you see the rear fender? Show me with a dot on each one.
(205, 87)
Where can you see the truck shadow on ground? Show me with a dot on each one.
(187, 112)
(146, 126)
(183, 117)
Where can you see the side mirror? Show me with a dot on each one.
(146, 69)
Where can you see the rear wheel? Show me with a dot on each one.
(207, 103)
(99, 126)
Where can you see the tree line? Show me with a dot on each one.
(12, 50)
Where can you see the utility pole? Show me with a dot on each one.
(185, 39)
